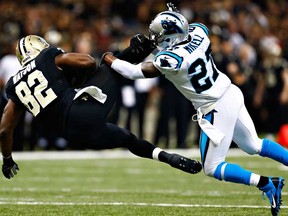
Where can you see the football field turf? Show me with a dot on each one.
(116, 183)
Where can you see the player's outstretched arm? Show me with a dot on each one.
(131, 71)
(10, 118)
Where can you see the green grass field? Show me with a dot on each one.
(130, 186)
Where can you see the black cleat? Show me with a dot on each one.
(185, 164)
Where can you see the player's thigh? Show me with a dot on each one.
(85, 120)
(212, 154)
(245, 135)
(224, 119)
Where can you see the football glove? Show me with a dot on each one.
(141, 45)
(9, 167)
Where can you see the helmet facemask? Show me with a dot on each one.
(29, 47)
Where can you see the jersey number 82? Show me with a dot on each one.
(42, 95)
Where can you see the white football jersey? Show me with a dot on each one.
(190, 67)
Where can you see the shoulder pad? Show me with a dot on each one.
(202, 26)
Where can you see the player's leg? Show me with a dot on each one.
(214, 165)
(113, 136)
(213, 156)
(274, 151)
(247, 139)
(231, 117)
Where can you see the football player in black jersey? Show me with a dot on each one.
(42, 87)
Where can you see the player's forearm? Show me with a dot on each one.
(6, 140)
(9, 121)
(124, 68)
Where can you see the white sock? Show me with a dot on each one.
(254, 179)
(155, 153)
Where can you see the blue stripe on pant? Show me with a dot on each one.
(204, 139)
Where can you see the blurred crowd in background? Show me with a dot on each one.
(249, 44)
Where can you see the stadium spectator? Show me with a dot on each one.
(186, 60)
(41, 88)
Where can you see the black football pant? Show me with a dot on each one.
(86, 124)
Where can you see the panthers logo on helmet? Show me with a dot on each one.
(170, 27)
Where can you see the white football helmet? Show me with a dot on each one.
(168, 28)
(29, 47)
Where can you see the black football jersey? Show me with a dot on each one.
(41, 88)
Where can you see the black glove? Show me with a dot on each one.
(140, 47)
(9, 167)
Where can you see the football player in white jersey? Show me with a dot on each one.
(187, 62)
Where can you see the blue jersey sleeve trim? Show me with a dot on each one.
(205, 29)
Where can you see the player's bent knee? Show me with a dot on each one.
(254, 147)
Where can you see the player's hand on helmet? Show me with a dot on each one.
(141, 45)
(9, 167)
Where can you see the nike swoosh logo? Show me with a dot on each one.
(273, 202)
